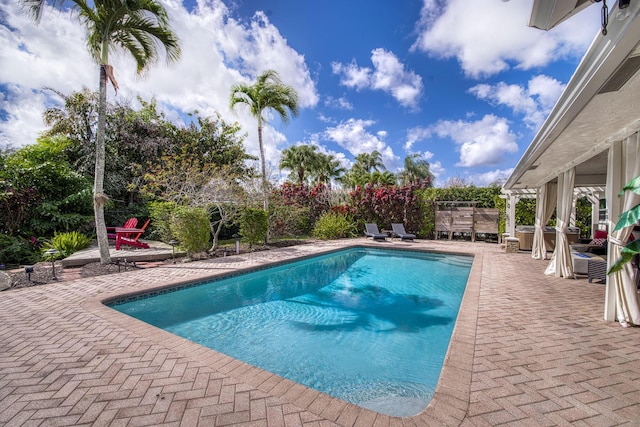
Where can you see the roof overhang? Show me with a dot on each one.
(598, 106)
(546, 14)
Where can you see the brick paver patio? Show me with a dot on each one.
(527, 350)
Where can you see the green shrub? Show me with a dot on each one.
(17, 250)
(254, 225)
(160, 214)
(191, 227)
(289, 221)
(66, 243)
(333, 225)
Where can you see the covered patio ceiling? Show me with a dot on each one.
(600, 104)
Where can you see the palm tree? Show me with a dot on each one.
(326, 167)
(138, 27)
(269, 92)
(383, 178)
(365, 162)
(416, 169)
(299, 159)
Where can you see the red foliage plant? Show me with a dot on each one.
(385, 205)
(315, 198)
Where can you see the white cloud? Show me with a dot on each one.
(547, 90)
(437, 170)
(491, 177)
(490, 36)
(534, 101)
(388, 75)
(352, 76)
(414, 135)
(340, 103)
(217, 52)
(354, 137)
(30, 61)
(325, 119)
(483, 142)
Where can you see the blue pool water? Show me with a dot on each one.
(367, 326)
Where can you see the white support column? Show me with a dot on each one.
(574, 203)
(614, 184)
(594, 198)
(511, 214)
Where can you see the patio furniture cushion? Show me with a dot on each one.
(581, 261)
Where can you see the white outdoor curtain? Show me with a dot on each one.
(623, 166)
(561, 264)
(545, 205)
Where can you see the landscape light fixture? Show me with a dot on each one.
(52, 254)
(237, 237)
(173, 244)
(28, 270)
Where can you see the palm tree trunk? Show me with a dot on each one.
(263, 166)
(99, 197)
(265, 194)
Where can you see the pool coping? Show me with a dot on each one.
(450, 402)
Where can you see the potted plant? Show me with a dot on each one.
(627, 219)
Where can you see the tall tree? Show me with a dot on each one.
(138, 27)
(300, 159)
(369, 162)
(383, 178)
(268, 93)
(326, 167)
(416, 170)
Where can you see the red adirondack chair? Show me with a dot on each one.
(132, 239)
(130, 223)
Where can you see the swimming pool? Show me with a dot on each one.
(367, 326)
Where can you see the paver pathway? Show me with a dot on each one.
(529, 350)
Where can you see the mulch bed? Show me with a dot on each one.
(43, 274)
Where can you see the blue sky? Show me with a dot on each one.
(465, 84)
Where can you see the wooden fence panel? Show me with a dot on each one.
(486, 220)
(466, 219)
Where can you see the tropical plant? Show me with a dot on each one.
(385, 205)
(299, 159)
(383, 178)
(268, 93)
(369, 162)
(325, 168)
(137, 27)
(628, 218)
(66, 243)
(334, 225)
(41, 192)
(316, 198)
(18, 250)
(367, 170)
(416, 169)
